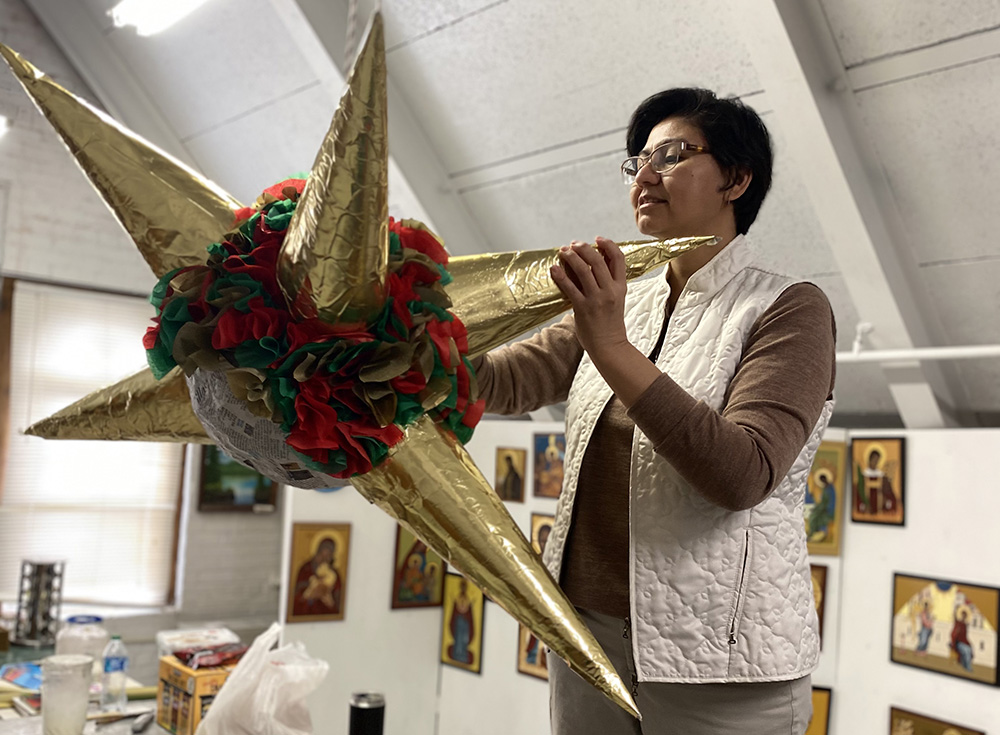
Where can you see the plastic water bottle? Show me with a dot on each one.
(113, 695)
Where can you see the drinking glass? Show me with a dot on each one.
(65, 691)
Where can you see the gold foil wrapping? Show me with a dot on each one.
(334, 260)
(431, 485)
(171, 212)
(138, 408)
(499, 296)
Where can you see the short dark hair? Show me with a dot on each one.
(737, 138)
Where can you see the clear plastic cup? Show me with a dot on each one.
(65, 691)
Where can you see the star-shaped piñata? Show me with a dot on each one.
(312, 338)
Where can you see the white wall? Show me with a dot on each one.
(951, 506)
(231, 561)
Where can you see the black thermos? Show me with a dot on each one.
(367, 713)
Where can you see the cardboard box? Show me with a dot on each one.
(184, 695)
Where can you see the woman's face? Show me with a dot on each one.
(688, 200)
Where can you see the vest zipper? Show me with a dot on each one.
(635, 674)
(739, 590)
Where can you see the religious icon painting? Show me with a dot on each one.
(532, 656)
(818, 573)
(902, 722)
(462, 624)
(510, 465)
(418, 575)
(824, 501)
(820, 722)
(550, 450)
(877, 472)
(317, 585)
(946, 626)
(541, 528)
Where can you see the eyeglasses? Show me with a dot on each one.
(661, 160)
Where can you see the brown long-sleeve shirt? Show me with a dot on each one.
(733, 458)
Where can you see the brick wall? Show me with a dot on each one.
(231, 562)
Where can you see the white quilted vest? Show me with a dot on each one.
(716, 596)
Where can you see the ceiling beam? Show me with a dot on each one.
(917, 62)
(800, 68)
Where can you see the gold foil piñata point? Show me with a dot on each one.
(171, 212)
(334, 259)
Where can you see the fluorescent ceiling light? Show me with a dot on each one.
(4, 125)
(151, 16)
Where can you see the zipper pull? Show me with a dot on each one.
(732, 639)
(635, 686)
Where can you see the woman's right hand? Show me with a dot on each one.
(594, 282)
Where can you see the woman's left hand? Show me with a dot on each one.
(594, 282)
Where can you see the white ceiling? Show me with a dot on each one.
(507, 126)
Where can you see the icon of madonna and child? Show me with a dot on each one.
(318, 578)
(418, 580)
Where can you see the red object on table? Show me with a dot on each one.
(210, 657)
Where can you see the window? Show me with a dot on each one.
(109, 509)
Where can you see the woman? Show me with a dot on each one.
(695, 403)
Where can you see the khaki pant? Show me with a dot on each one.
(766, 708)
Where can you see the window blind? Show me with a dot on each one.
(107, 508)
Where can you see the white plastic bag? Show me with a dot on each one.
(266, 693)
